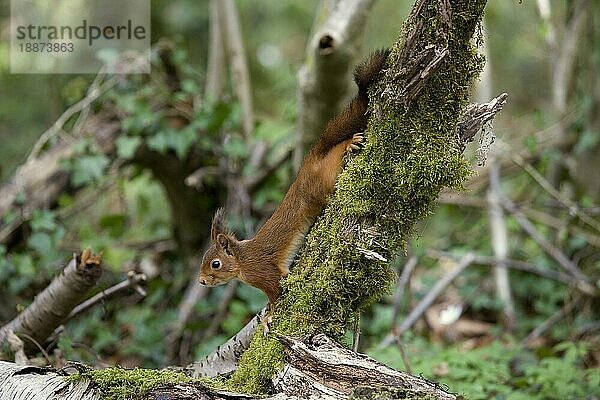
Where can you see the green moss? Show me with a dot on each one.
(268, 361)
(120, 384)
(411, 154)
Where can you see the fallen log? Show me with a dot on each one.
(315, 367)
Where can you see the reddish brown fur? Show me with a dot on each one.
(263, 260)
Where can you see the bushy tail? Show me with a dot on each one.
(354, 117)
(368, 71)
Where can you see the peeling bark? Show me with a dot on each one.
(224, 360)
(52, 306)
(34, 383)
(318, 367)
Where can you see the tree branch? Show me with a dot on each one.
(52, 306)
(216, 57)
(237, 58)
(548, 247)
(324, 79)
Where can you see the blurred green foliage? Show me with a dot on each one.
(501, 371)
(130, 208)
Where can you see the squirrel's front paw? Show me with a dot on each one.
(266, 323)
(356, 143)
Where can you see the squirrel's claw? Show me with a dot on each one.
(266, 323)
(356, 143)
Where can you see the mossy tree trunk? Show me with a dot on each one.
(412, 153)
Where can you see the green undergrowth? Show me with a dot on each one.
(501, 370)
(117, 383)
(411, 154)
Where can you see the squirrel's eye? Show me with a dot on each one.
(215, 264)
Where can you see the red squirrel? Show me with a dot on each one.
(263, 260)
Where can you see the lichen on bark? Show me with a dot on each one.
(411, 154)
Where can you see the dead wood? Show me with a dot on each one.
(52, 306)
(316, 367)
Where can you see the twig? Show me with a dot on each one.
(133, 280)
(587, 329)
(554, 252)
(260, 176)
(405, 276)
(325, 77)
(499, 238)
(435, 291)
(449, 197)
(403, 281)
(544, 10)
(550, 322)
(196, 178)
(17, 347)
(54, 303)
(402, 353)
(356, 335)
(549, 220)
(38, 345)
(557, 223)
(547, 186)
(92, 95)
(216, 57)
(239, 66)
(524, 266)
(193, 294)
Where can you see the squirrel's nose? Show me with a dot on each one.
(202, 281)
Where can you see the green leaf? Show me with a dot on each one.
(190, 86)
(24, 265)
(127, 146)
(41, 242)
(182, 141)
(88, 169)
(42, 220)
(588, 140)
(114, 223)
(236, 147)
(158, 142)
(20, 198)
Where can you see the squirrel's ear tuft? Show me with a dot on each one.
(218, 224)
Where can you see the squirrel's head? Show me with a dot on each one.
(220, 262)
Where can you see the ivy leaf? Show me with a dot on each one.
(43, 220)
(127, 146)
(24, 265)
(182, 141)
(235, 147)
(158, 142)
(41, 242)
(88, 169)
